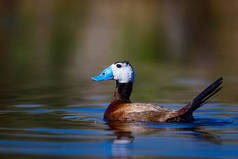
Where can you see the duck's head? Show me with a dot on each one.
(121, 71)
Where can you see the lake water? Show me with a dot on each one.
(78, 130)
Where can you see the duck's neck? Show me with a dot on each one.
(122, 91)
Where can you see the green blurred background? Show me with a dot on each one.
(49, 49)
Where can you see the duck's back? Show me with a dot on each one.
(138, 112)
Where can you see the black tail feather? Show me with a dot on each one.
(205, 95)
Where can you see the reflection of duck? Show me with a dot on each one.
(125, 131)
(122, 109)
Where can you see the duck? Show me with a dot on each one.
(122, 109)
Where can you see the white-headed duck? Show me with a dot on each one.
(122, 109)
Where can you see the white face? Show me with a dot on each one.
(123, 72)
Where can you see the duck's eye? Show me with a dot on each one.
(118, 66)
(103, 73)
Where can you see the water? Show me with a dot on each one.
(78, 130)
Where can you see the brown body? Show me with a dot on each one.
(140, 112)
(122, 109)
